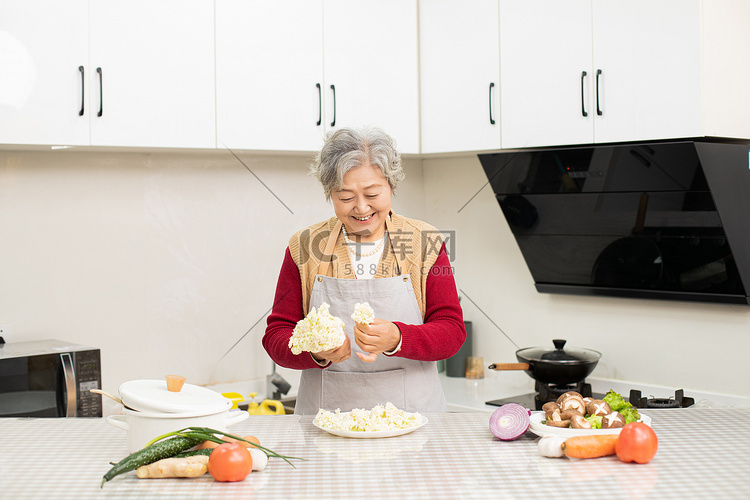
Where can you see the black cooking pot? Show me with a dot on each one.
(558, 366)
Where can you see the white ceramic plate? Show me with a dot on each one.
(540, 429)
(373, 434)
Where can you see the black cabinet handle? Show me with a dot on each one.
(320, 105)
(598, 110)
(583, 102)
(492, 122)
(333, 123)
(101, 93)
(80, 68)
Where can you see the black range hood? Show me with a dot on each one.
(656, 220)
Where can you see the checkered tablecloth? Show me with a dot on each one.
(702, 454)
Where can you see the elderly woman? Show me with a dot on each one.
(366, 253)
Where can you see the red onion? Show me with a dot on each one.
(510, 421)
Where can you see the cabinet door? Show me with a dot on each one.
(649, 55)
(269, 74)
(460, 75)
(157, 80)
(43, 43)
(370, 54)
(545, 48)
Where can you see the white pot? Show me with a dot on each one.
(143, 426)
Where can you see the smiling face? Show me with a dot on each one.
(363, 202)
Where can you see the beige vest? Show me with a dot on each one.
(413, 249)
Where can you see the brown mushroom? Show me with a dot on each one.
(613, 420)
(558, 423)
(568, 394)
(570, 413)
(598, 407)
(553, 415)
(573, 403)
(580, 422)
(551, 406)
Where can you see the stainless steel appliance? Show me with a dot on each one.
(654, 220)
(49, 378)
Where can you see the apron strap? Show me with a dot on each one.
(325, 262)
(399, 255)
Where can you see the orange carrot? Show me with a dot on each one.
(597, 445)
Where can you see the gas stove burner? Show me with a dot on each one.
(662, 403)
(679, 400)
(550, 392)
(546, 393)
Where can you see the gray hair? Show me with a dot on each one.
(349, 148)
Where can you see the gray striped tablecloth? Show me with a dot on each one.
(702, 454)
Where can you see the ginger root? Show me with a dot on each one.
(193, 466)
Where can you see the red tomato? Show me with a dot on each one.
(230, 462)
(637, 443)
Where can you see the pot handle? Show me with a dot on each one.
(117, 421)
(235, 417)
(509, 366)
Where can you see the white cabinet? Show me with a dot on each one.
(587, 71)
(269, 74)
(43, 93)
(289, 72)
(371, 63)
(460, 75)
(116, 73)
(156, 59)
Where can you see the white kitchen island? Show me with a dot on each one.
(702, 454)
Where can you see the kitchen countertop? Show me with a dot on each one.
(702, 454)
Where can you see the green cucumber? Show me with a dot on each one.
(157, 451)
(204, 451)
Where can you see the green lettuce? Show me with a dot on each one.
(595, 421)
(618, 403)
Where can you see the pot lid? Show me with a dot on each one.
(153, 395)
(560, 354)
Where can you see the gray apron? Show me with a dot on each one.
(409, 384)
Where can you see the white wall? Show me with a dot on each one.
(679, 345)
(162, 260)
(165, 260)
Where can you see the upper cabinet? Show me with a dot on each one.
(587, 71)
(440, 76)
(269, 75)
(116, 73)
(44, 72)
(288, 73)
(547, 82)
(460, 75)
(152, 68)
(372, 67)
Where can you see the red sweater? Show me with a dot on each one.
(440, 337)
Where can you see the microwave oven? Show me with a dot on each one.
(49, 378)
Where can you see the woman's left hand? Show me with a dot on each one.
(379, 336)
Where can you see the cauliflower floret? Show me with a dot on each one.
(380, 418)
(363, 313)
(318, 331)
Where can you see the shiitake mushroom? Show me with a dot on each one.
(550, 407)
(573, 403)
(613, 420)
(558, 423)
(598, 407)
(566, 395)
(570, 413)
(580, 422)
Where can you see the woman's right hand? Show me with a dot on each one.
(341, 353)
